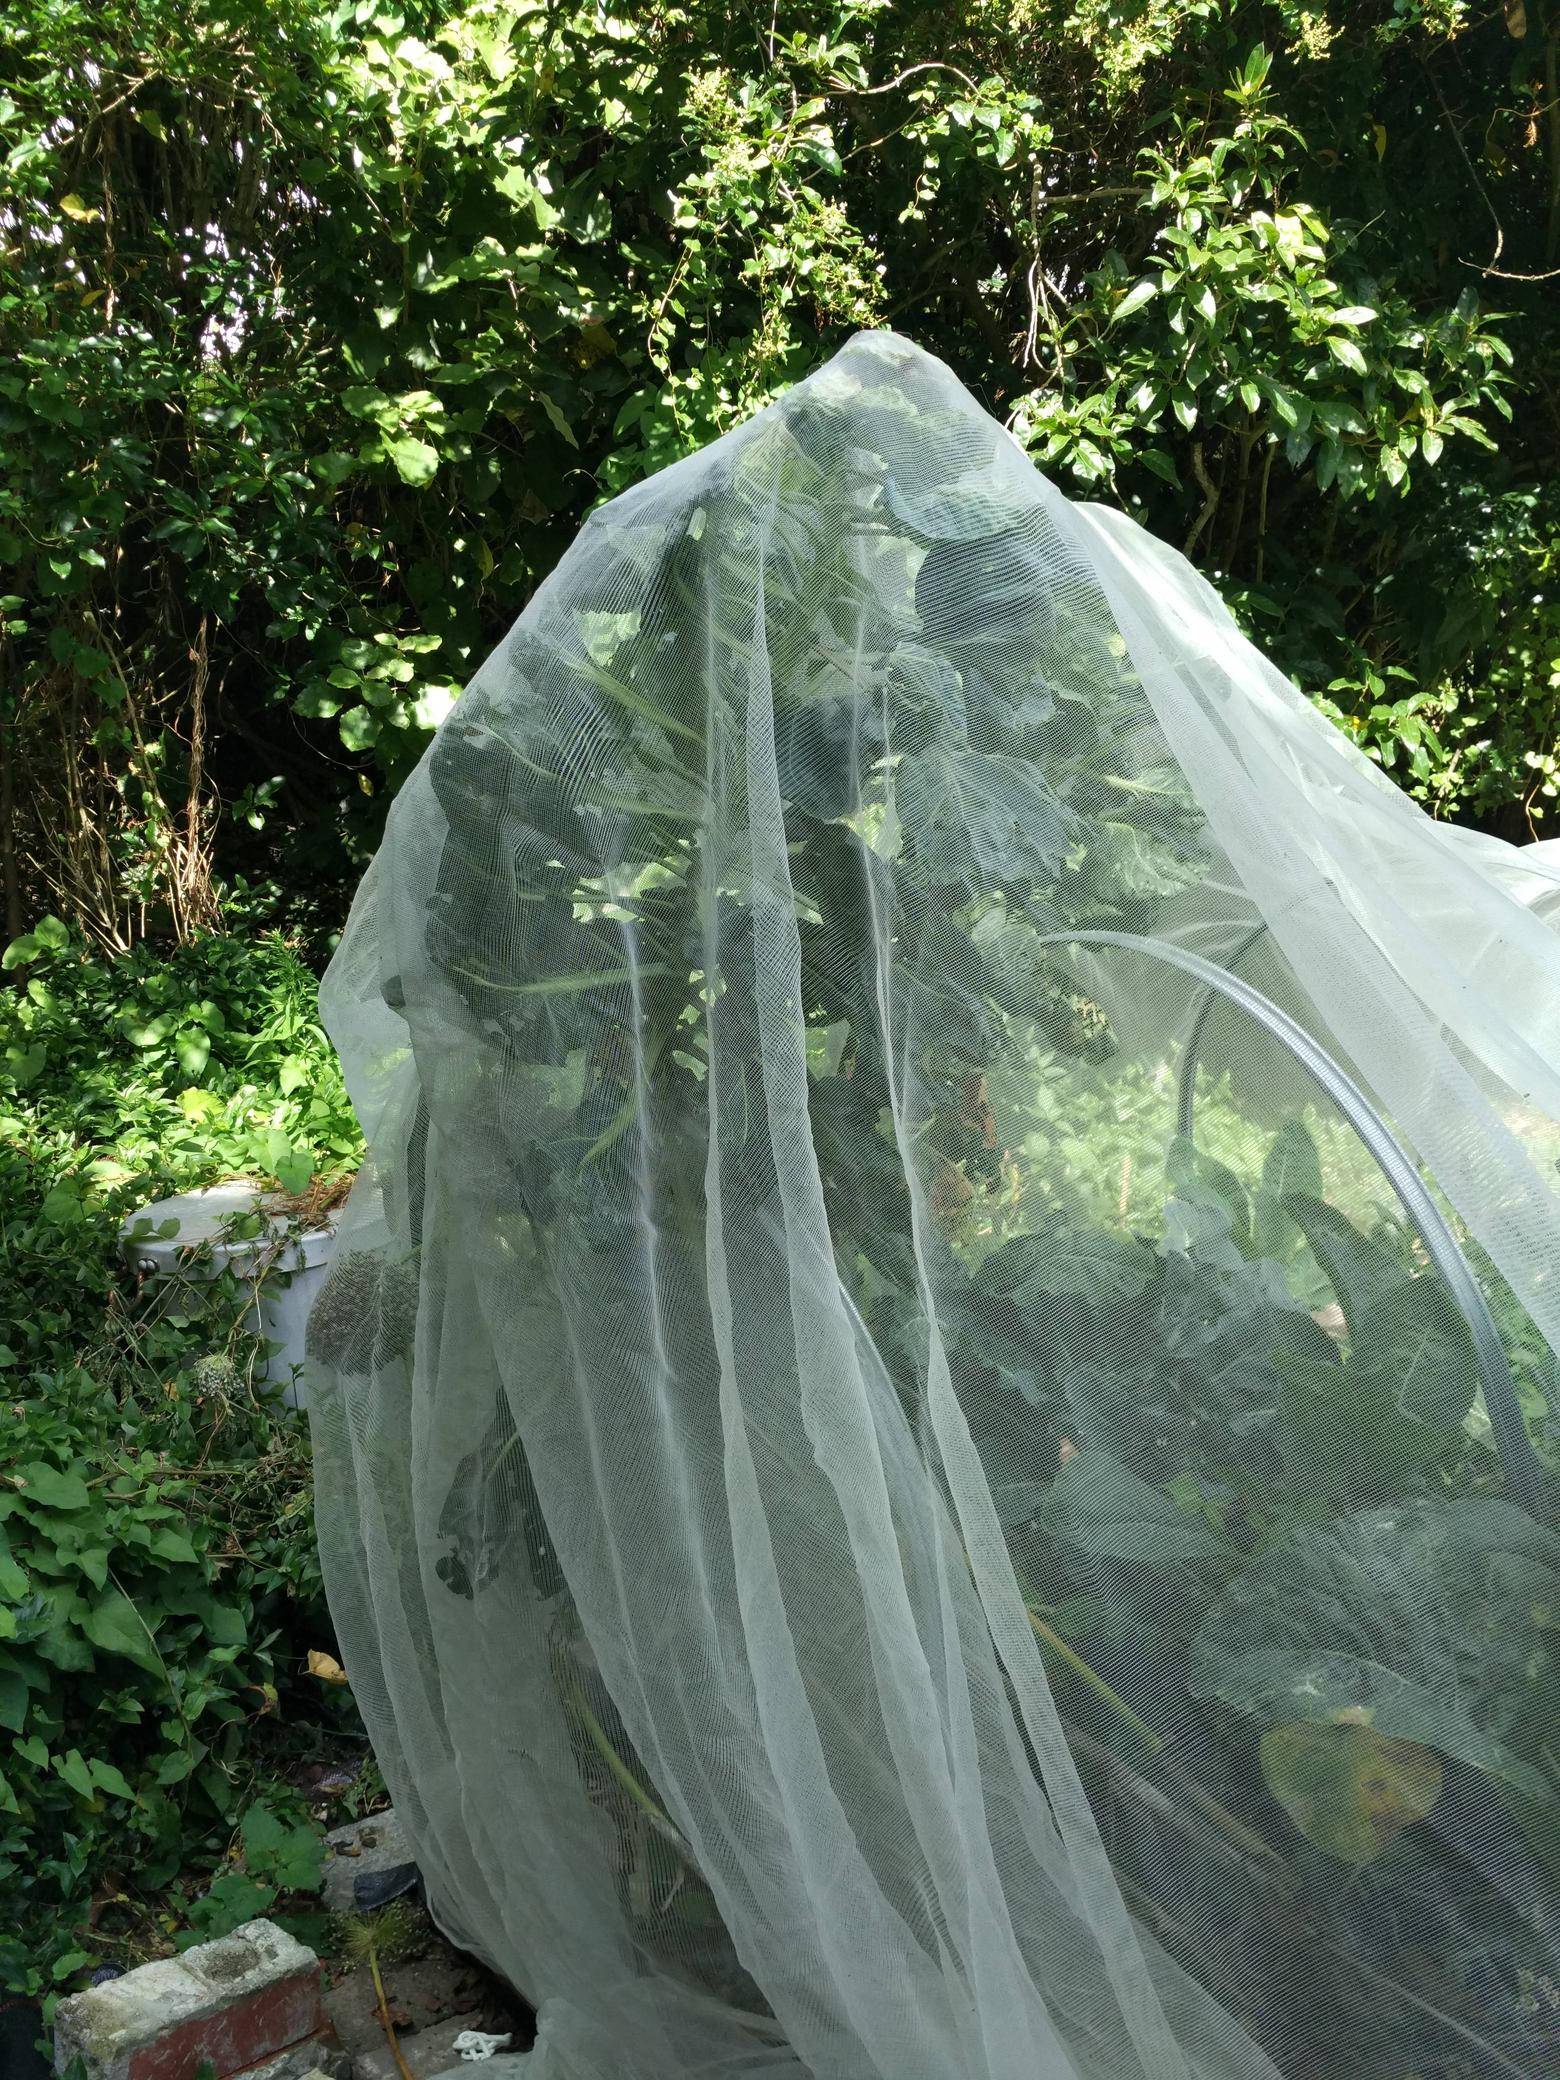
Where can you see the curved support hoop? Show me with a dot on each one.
(1186, 1090)
(1519, 1463)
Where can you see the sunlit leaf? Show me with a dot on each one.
(1350, 1790)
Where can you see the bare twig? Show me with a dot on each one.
(1210, 492)
(1039, 287)
(1552, 86)
(1262, 508)
(1488, 267)
(1508, 274)
(931, 65)
(1056, 201)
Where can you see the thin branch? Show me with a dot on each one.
(1473, 175)
(383, 2014)
(1210, 492)
(1039, 290)
(931, 65)
(1056, 201)
(1552, 84)
(1505, 274)
(622, 1775)
(1262, 509)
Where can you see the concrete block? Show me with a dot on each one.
(503, 2065)
(426, 2051)
(369, 1846)
(249, 2003)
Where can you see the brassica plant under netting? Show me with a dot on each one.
(936, 1416)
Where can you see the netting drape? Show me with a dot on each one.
(901, 1492)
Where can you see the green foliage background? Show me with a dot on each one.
(159, 1587)
(323, 328)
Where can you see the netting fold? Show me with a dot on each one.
(909, 1487)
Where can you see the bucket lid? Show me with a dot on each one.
(201, 1217)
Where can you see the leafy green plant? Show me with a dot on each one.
(1353, 1671)
(1232, 1425)
(199, 1062)
(158, 1589)
(158, 1579)
(283, 1856)
(1277, 361)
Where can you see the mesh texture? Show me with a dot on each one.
(901, 1495)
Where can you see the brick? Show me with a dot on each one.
(248, 2004)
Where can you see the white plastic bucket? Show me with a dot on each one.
(283, 1266)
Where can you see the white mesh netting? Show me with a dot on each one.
(908, 1488)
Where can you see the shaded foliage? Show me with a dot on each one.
(324, 328)
(159, 1586)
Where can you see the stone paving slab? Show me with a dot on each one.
(369, 1846)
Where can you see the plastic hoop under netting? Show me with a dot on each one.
(936, 1417)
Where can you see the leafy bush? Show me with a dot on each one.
(133, 1661)
(176, 1064)
(158, 1579)
(366, 306)
(282, 1855)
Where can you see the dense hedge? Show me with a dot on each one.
(321, 330)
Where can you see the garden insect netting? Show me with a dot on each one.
(935, 1413)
